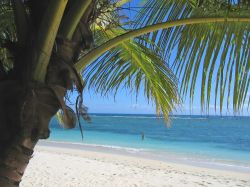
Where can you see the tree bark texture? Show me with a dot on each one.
(25, 112)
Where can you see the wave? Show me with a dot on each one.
(191, 118)
(129, 149)
(169, 156)
(142, 117)
(151, 117)
(111, 147)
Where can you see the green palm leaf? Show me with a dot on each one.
(133, 66)
(217, 51)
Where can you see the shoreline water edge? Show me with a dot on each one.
(168, 157)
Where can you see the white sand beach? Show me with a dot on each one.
(64, 167)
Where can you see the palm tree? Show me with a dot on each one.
(45, 45)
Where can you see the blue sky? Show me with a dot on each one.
(126, 102)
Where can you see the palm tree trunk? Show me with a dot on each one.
(27, 106)
(14, 161)
(25, 112)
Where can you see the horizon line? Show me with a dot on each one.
(204, 115)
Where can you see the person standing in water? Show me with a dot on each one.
(142, 136)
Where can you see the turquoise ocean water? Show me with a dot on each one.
(219, 141)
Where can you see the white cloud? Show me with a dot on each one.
(137, 106)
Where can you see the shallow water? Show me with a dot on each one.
(203, 140)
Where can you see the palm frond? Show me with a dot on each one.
(217, 51)
(223, 58)
(133, 66)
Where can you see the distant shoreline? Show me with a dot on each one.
(172, 115)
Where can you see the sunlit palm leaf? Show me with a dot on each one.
(219, 52)
(133, 66)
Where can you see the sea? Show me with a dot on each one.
(213, 141)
